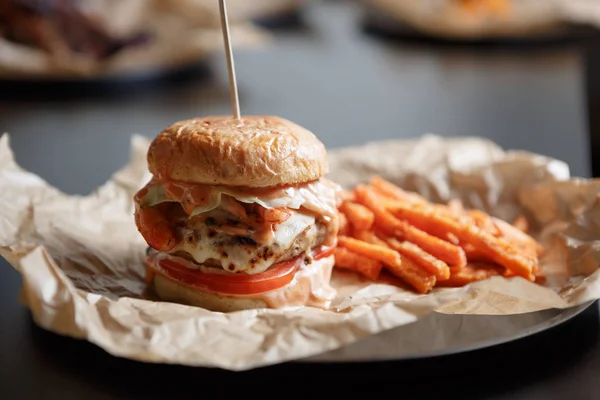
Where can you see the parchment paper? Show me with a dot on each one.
(80, 257)
(181, 33)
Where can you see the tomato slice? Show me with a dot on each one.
(275, 277)
(323, 252)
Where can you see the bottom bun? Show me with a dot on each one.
(309, 287)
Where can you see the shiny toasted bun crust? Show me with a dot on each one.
(172, 291)
(256, 151)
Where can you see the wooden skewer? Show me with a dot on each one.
(233, 91)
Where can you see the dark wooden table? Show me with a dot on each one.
(349, 86)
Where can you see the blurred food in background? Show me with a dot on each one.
(476, 19)
(59, 28)
(91, 38)
(206, 12)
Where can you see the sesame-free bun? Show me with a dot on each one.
(170, 290)
(255, 151)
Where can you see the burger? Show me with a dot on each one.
(239, 215)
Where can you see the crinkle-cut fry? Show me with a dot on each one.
(365, 266)
(376, 252)
(388, 189)
(387, 222)
(422, 281)
(472, 272)
(428, 262)
(343, 227)
(359, 216)
(497, 249)
(521, 223)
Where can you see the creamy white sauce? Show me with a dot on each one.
(310, 287)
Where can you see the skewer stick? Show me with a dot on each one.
(233, 91)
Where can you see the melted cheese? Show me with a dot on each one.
(236, 257)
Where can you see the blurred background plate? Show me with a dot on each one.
(105, 40)
(525, 22)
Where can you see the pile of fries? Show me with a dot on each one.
(428, 245)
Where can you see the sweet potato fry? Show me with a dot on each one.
(347, 195)
(497, 249)
(484, 222)
(359, 216)
(456, 208)
(384, 220)
(539, 277)
(474, 254)
(428, 262)
(387, 222)
(370, 237)
(344, 228)
(518, 238)
(376, 252)
(388, 232)
(473, 272)
(388, 189)
(405, 269)
(500, 252)
(425, 219)
(453, 239)
(365, 266)
(421, 280)
(445, 251)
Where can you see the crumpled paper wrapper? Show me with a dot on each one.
(181, 33)
(524, 18)
(80, 257)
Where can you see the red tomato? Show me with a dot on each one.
(275, 277)
(323, 252)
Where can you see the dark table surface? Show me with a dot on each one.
(348, 86)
